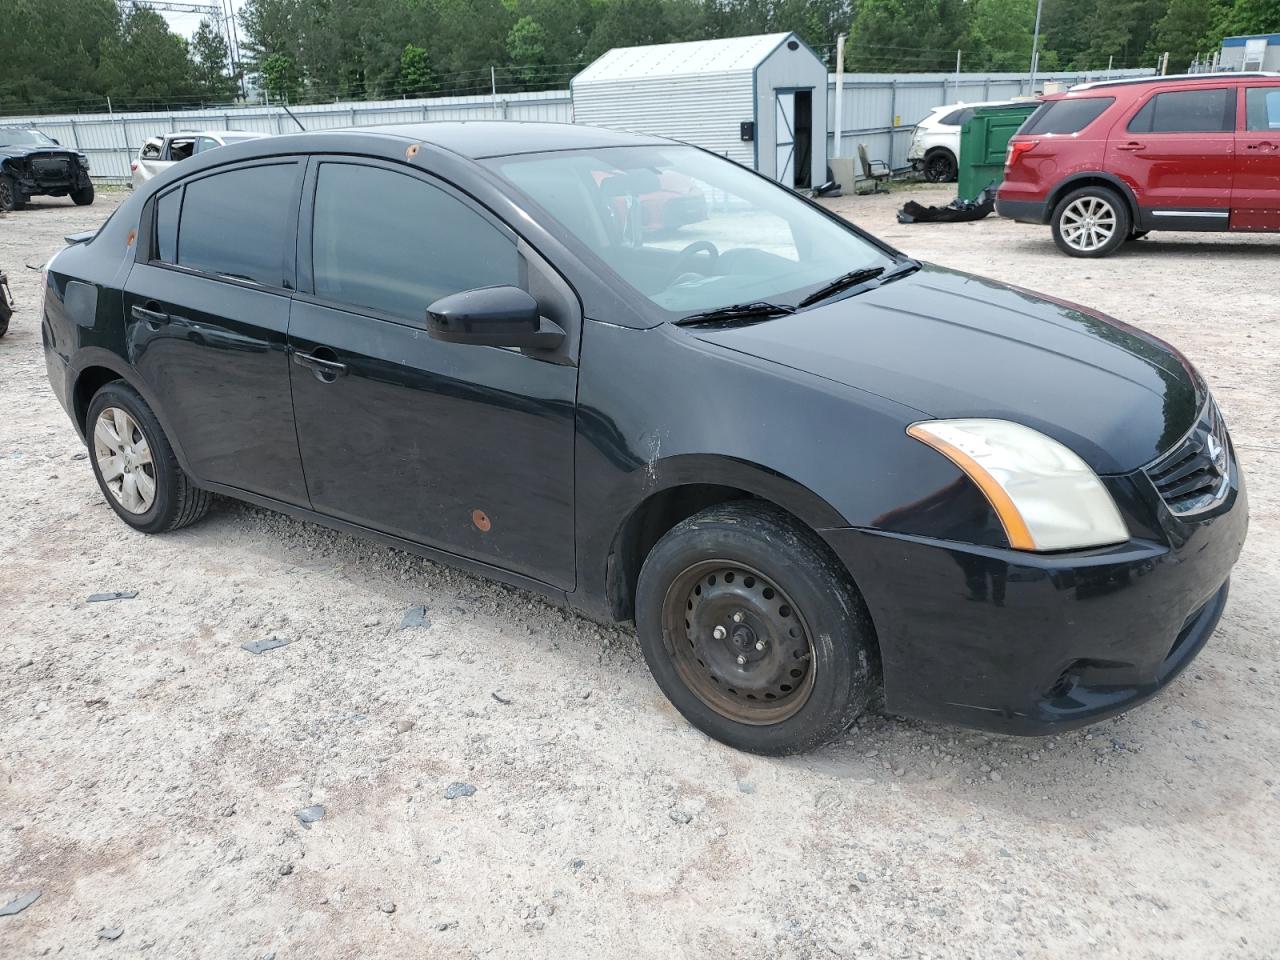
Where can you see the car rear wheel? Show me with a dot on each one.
(1090, 222)
(82, 197)
(135, 465)
(940, 167)
(8, 194)
(754, 631)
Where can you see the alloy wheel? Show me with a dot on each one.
(123, 456)
(738, 642)
(1087, 224)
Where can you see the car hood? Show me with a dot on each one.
(16, 150)
(949, 345)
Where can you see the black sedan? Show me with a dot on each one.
(805, 464)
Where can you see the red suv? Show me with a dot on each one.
(1107, 162)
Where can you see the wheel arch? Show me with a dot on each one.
(1096, 178)
(93, 369)
(686, 485)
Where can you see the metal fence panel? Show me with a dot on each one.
(111, 140)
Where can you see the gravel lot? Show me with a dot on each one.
(151, 769)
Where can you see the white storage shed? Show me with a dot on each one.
(761, 101)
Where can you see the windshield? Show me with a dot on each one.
(688, 230)
(25, 138)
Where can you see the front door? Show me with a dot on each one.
(785, 137)
(465, 448)
(1178, 152)
(1255, 190)
(207, 313)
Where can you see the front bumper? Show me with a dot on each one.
(1033, 644)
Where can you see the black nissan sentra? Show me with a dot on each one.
(645, 381)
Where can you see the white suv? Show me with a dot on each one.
(160, 153)
(935, 142)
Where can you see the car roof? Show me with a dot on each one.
(1175, 78)
(976, 103)
(495, 138)
(214, 133)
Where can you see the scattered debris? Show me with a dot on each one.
(110, 933)
(258, 647)
(455, 790)
(404, 726)
(446, 925)
(501, 699)
(386, 906)
(957, 211)
(286, 869)
(309, 815)
(115, 595)
(79, 456)
(415, 618)
(19, 903)
(577, 865)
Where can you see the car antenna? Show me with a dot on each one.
(293, 117)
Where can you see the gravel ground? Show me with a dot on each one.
(152, 771)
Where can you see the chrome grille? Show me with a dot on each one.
(1196, 474)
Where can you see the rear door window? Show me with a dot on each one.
(1262, 108)
(1187, 111)
(957, 118)
(236, 224)
(393, 244)
(1065, 116)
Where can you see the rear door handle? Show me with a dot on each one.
(1132, 147)
(325, 370)
(1263, 145)
(149, 314)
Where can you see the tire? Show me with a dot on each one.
(9, 194)
(175, 501)
(6, 312)
(82, 197)
(726, 603)
(940, 166)
(1091, 222)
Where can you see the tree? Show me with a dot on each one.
(146, 66)
(1246, 17)
(527, 48)
(415, 72)
(907, 35)
(211, 55)
(280, 77)
(1183, 32)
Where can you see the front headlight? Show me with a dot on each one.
(1046, 497)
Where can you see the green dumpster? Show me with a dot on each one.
(983, 140)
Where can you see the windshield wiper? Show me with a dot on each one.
(842, 282)
(755, 310)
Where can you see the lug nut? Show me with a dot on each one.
(759, 644)
(719, 633)
(738, 617)
(741, 660)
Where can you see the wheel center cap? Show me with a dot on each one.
(744, 638)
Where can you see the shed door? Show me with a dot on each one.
(784, 127)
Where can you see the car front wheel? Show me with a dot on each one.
(136, 467)
(1090, 222)
(754, 631)
(82, 197)
(8, 194)
(940, 167)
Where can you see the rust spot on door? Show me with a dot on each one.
(412, 151)
(481, 520)
(133, 235)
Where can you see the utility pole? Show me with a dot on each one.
(1164, 64)
(1035, 49)
(957, 75)
(839, 130)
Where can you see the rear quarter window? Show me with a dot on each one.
(1065, 116)
(1187, 111)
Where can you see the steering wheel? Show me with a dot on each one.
(683, 264)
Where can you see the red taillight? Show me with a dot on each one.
(1016, 149)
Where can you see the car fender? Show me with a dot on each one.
(1081, 178)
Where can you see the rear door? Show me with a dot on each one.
(1176, 149)
(207, 309)
(1255, 190)
(465, 448)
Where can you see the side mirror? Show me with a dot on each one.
(492, 317)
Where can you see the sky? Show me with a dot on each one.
(186, 23)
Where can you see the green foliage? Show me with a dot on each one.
(78, 52)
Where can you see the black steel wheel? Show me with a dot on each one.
(8, 194)
(747, 653)
(940, 167)
(754, 631)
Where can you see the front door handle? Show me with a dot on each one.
(1131, 147)
(1264, 145)
(151, 313)
(325, 370)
